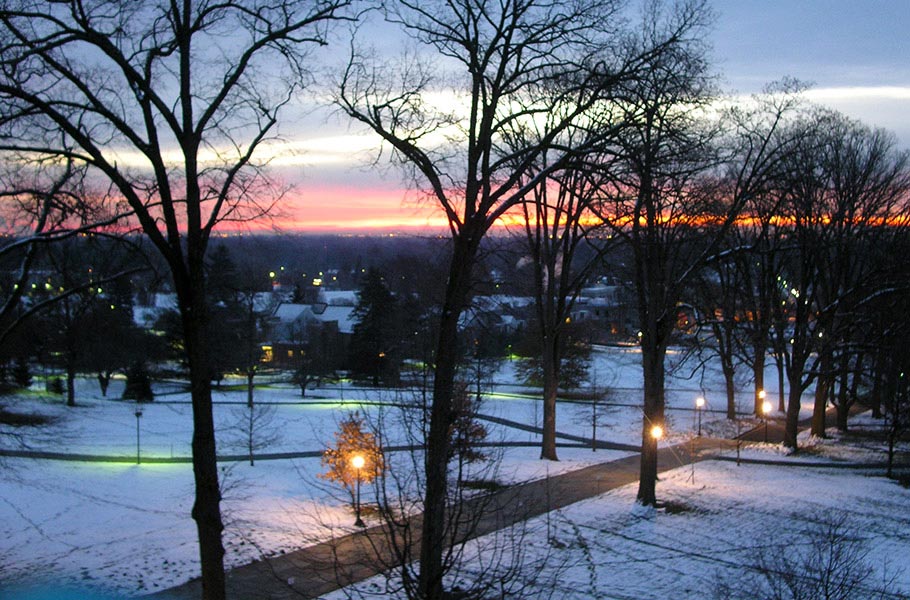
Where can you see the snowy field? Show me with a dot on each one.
(125, 528)
(720, 525)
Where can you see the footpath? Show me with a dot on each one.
(325, 567)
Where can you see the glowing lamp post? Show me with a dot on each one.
(699, 406)
(357, 461)
(657, 432)
(765, 410)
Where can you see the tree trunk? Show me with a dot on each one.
(819, 406)
(433, 532)
(857, 375)
(653, 370)
(843, 401)
(70, 379)
(781, 406)
(550, 385)
(875, 397)
(822, 391)
(758, 374)
(843, 412)
(791, 429)
(249, 387)
(104, 381)
(206, 508)
(729, 383)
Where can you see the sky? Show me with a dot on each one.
(854, 54)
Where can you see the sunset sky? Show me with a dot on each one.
(855, 55)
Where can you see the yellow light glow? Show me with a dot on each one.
(357, 461)
(699, 402)
(766, 407)
(657, 432)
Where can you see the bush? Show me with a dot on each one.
(829, 560)
(54, 386)
(138, 384)
(21, 374)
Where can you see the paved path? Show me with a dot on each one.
(322, 568)
(319, 569)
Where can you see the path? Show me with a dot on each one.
(322, 568)
(325, 567)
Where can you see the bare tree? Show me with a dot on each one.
(506, 60)
(254, 428)
(868, 180)
(829, 560)
(43, 204)
(833, 205)
(169, 103)
(555, 227)
(760, 140)
(655, 199)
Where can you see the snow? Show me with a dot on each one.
(125, 529)
(611, 547)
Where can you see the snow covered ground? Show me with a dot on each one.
(718, 526)
(125, 529)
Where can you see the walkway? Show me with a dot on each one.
(325, 567)
(322, 568)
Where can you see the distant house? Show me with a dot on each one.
(502, 314)
(606, 311)
(146, 316)
(338, 297)
(609, 311)
(299, 330)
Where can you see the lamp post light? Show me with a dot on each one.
(357, 461)
(765, 409)
(699, 406)
(657, 432)
(138, 414)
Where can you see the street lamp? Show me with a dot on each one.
(357, 461)
(765, 409)
(699, 406)
(138, 414)
(657, 432)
